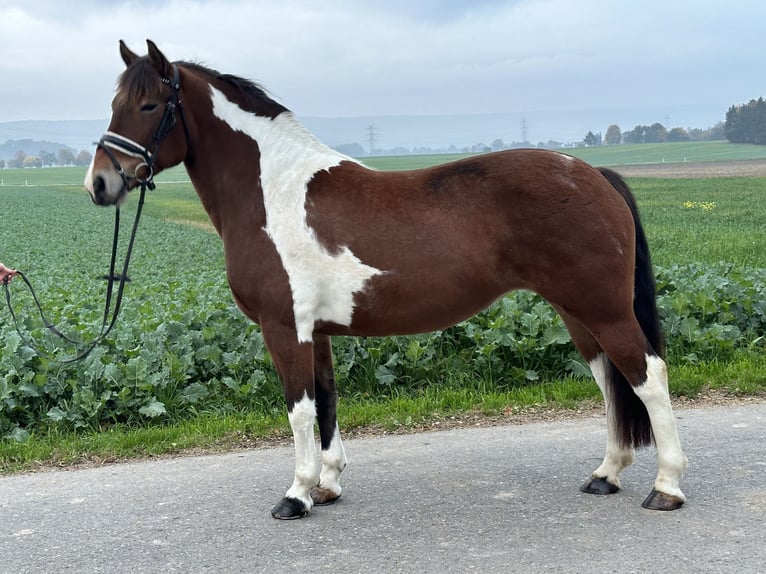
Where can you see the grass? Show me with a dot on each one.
(720, 212)
(387, 412)
(680, 229)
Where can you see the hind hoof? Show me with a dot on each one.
(289, 509)
(661, 501)
(599, 485)
(323, 496)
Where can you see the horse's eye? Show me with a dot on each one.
(148, 107)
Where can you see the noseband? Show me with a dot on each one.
(114, 141)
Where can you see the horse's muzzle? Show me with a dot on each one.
(105, 188)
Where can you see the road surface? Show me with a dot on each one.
(498, 499)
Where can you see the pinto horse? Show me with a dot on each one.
(317, 245)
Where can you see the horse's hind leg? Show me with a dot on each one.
(333, 454)
(666, 494)
(605, 479)
(646, 373)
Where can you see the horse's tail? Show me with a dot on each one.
(631, 415)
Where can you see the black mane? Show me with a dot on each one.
(250, 95)
(141, 79)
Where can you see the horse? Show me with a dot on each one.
(318, 245)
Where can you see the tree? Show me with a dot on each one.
(613, 135)
(747, 123)
(655, 133)
(18, 159)
(48, 158)
(32, 161)
(497, 145)
(592, 139)
(678, 135)
(83, 158)
(66, 156)
(634, 136)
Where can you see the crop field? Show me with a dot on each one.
(181, 350)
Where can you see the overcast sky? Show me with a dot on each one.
(60, 60)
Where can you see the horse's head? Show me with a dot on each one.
(144, 135)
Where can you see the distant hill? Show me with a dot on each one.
(74, 134)
(9, 149)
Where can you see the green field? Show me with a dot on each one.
(632, 154)
(184, 369)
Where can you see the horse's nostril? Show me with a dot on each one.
(99, 186)
(99, 190)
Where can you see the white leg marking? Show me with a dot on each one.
(617, 457)
(306, 464)
(334, 460)
(670, 458)
(323, 284)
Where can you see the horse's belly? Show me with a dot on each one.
(416, 308)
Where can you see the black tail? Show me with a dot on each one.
(635, 428)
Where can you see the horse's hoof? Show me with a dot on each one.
(289, 509)
(599, 485)
(323, 496)
(661, 501)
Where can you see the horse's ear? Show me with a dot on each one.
(127, 56)
(158, 60)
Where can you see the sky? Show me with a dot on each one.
(348, 58)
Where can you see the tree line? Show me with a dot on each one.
(746, 123)
(64, 156)
(654, 133)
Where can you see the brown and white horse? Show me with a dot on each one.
(317, 244)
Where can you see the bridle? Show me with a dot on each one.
(108, 142)
(114, 141)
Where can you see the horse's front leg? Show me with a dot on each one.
(294, 362)
(334, 458)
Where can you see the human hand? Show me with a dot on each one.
(6, 274)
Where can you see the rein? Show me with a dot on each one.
(108, 142)
(106, 324)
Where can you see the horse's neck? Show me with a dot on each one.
(279, 153)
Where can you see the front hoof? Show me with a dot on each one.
(289, 509)
(323, 496)
(599, 485)
(661, 501)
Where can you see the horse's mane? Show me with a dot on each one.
(141, 78)
(250, 95)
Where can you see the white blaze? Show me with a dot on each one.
(322, 284)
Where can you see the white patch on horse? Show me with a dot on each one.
(323, 284)
(334, 460)
(301, 419)
(617, 457)
(670, 458)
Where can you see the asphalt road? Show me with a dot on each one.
(501, 499)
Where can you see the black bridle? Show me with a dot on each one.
(114, 141)
(108, 142)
